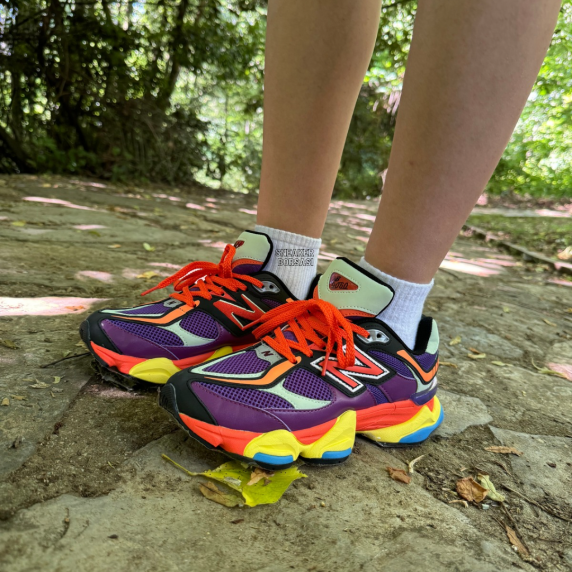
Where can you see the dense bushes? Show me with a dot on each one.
(171, 90)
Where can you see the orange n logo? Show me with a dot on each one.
(231, 311)
(364, 367)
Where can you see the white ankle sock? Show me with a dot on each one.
(294, 259)
(404, 312)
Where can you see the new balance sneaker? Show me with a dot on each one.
(324, 369)
(210, 314)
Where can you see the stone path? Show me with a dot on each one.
(82, 483)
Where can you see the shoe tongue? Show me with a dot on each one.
(353, 290)
(253, 251)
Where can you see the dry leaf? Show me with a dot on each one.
(492, 493)
(40, 385)
(456, 340)
(449, 364)
(19, 223)
(470, 490)
(66, 353)
(9, 344)
(114, 246)
(57, 379)
(236, 477)
(501, 363)
(475, 351)
(5, 402)
(504, 450)
(546, 321)
(18, 397)
(568, 310)
(547, 371)
(259, 474)
(399, 475)
(515, 541)
(148, 275)
(476, 356)
(463, 502)
(412, 463)
(212, 492)
(506, 309)
(148, 247)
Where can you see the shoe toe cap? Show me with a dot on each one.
(178, 397)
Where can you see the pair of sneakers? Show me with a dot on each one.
(247, 369)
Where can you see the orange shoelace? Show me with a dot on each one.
(315, 321)
(209, 279)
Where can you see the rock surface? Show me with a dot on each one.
(82, 483)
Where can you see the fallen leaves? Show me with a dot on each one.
(477, 355)
(456, 340)
(212, 492)
(39, 385)
(503, 450)
(5, 402)
(470, 490)
(148, 247)
(399, 475)
(258, 474)
(19, 223)
(547, 321)
(501, 363)
(515, 541)
(548, 371)
(448, 364)
(487, 484)
(255, 486)
(411, 464)
(9, 344)
(148, 275)
(114, 246)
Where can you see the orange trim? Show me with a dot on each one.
(125, 363)
(121, 362)
(426, 376)
(231, 440)
(388, 414)
(176, 313)
(271, 376)
(356, 313)
(235, 440)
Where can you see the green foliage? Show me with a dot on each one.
(171, 91)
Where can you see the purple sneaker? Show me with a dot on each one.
(326, 369)
(210, 314)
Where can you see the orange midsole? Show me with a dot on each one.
(235, 440)
(125, 363)
(378, 417)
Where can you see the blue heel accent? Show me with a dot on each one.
(273, 459)
(422, 434)
(337, 454)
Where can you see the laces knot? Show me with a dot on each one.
(206, 279)
(306, 325)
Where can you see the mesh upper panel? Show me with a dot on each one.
(309, 385)
(377, 394)
(252, 397)
(247, 362)
(394, 363)
(426, 361)
(271, 303)
(157, 308)
(151, 333)
(200, 324)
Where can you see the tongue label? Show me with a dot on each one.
(339, 282)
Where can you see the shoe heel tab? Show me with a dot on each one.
(427, 340)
